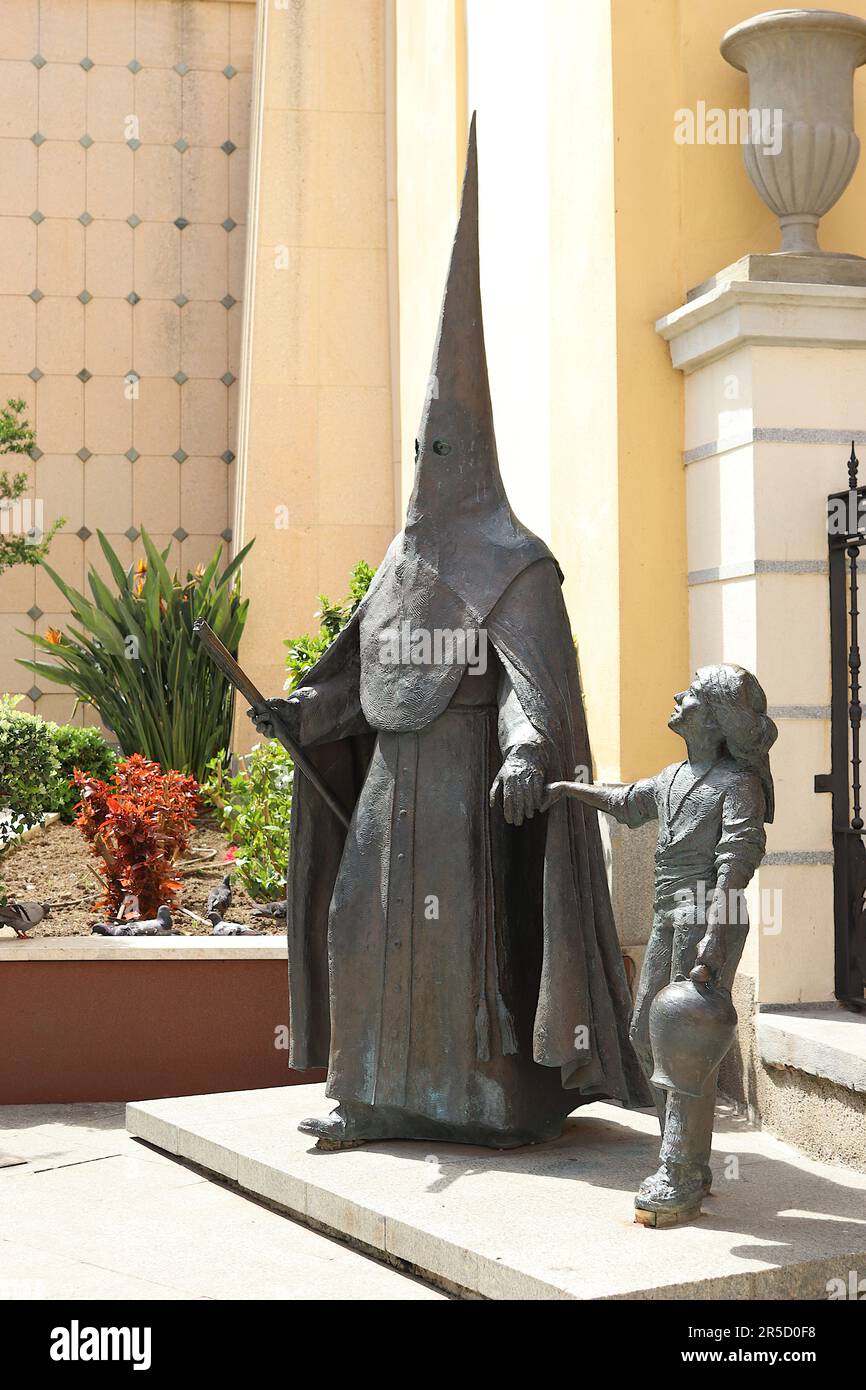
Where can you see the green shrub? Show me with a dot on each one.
(17, 437)
(29, 769)
(255, 807)
(133, 655)
(305, 651)
(255, 804)
(81, 750)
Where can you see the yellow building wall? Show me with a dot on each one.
(584, 405)
(316, 481)
(651, 607)
(634, 220)
(430, 125)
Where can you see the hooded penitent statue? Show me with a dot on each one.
(452, 956)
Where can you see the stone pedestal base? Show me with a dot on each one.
(554, 1221)
(785, 267)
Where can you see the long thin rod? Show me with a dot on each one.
(223, 658)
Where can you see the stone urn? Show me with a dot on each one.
(800, 63)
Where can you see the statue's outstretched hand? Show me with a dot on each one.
(277, 714)
(553, 792)
(521, 779)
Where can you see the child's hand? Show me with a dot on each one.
(710, 956)
(553, 792)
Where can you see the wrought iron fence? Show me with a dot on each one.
(846, 534)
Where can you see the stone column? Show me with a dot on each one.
(315, 452)
(773, 350)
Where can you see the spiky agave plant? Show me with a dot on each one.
(134, 657)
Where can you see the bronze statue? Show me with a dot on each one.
(711, 810)
(453, 957)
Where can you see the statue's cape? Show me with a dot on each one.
(409, 596)
(583, 1010)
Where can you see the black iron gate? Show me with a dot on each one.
(846, 531)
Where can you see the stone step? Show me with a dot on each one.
(554, 1221)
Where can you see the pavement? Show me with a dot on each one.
(93, 1214)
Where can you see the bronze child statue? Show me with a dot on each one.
(711, 810)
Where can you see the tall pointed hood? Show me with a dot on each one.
(462, 545)
(458, 505)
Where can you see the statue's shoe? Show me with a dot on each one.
(675, 1190)
(350, 1126)
(332, 1131)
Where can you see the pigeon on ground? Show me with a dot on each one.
(275, 910)
(22, 916)
(219, 899)
(221, 928)
(161, 925)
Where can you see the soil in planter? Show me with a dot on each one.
(52, 867)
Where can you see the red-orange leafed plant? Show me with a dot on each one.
(138, 823)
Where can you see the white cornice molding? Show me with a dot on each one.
(763, 313)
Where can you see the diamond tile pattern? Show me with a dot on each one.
(144, 458)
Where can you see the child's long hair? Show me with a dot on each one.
(739, 707)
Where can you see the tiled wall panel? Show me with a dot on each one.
(123, 157)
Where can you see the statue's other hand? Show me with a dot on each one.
(521, 778)
(710, 957)
(277, 714)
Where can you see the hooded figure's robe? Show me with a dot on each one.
(461, 977)
(460, 973)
